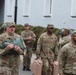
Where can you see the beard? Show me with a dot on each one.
(49, 32)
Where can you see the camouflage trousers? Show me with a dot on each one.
(27, 58)
(15, 70)
(47, 69)
(8, 71)
(5, 71)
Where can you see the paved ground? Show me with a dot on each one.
(26, 72)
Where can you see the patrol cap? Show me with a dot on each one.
(10, 24)
(50, 26)
(26, 25)
(66, 29)
(73, 33)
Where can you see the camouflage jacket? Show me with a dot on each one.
(26, 34)
(7, 59)
(64, 40)
(67, 59)
(47, 46)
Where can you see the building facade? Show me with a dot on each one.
(61, 13)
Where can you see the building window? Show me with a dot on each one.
(26, 8)
(73, 8)
(47, 8)
(9, 8)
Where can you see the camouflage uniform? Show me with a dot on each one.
(9, 64)
(27, 58)
(67, 59)
(48, 51)
(65, 39)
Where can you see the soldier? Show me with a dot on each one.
(9, 52)
(47, 49)
(67, 57)
(64, 38)
(29, 38)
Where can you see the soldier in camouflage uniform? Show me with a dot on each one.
(29, 38)
(67, 57)
(64, 38)
(9, 62)
(47, 49)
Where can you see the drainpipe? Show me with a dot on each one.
(15, 14)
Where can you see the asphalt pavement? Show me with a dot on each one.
(21, 72)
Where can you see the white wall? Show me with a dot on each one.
(60, 17)
(36, 15)
(9, 12)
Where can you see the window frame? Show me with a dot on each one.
(26, 7)
(47, 8)
(73, 7)
(9, 8)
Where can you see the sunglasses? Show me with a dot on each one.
(12, 27)
(50, 28)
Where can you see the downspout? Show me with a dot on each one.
(15, 14)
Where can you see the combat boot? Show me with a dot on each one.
(24, 68)
(27, 69)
